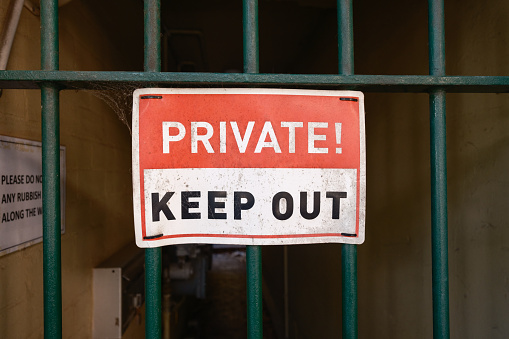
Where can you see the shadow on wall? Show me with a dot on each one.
(99, 199)
(478, 152)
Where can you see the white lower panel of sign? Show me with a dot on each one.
(251, 206)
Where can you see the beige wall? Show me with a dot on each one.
(394, 264)
(98, 189)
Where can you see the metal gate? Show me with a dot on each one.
(50, 81)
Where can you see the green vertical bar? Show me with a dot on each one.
(345, 37)
(152, 23)
(153, 264)
(153, 256)
(251, 48)
(254, 253)
(254, 292)
(436, 31)
(52, 274)
(439, 236)
(349, 288)
(348, 252)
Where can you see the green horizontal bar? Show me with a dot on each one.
(366, 83)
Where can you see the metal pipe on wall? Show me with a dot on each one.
(9, 31)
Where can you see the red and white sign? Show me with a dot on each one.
(248, 166)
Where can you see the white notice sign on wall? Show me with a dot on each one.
(21, 193)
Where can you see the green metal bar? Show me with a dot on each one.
(251, 46)
(153, 256)
(348, 252)
(436, 31)
(367, 83)
(51, 213)
(349, 289)
(253, 253)
(52, 273)
(153, 264)
(49, 35)
(254, 292)
(439, 217)
(345, 37)
(440, 270)
(152, 24)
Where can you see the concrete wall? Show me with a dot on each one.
(394, 264)
(99, 195)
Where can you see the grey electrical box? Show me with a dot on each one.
(119, 286)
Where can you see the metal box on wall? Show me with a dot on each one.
(118, 292)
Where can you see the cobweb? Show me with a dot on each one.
(119, 97)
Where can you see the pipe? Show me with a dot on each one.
(9, 30)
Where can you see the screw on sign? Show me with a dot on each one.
(248, 166)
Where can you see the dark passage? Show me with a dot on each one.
(224, 314)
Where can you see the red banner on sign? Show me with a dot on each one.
(244, 119)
